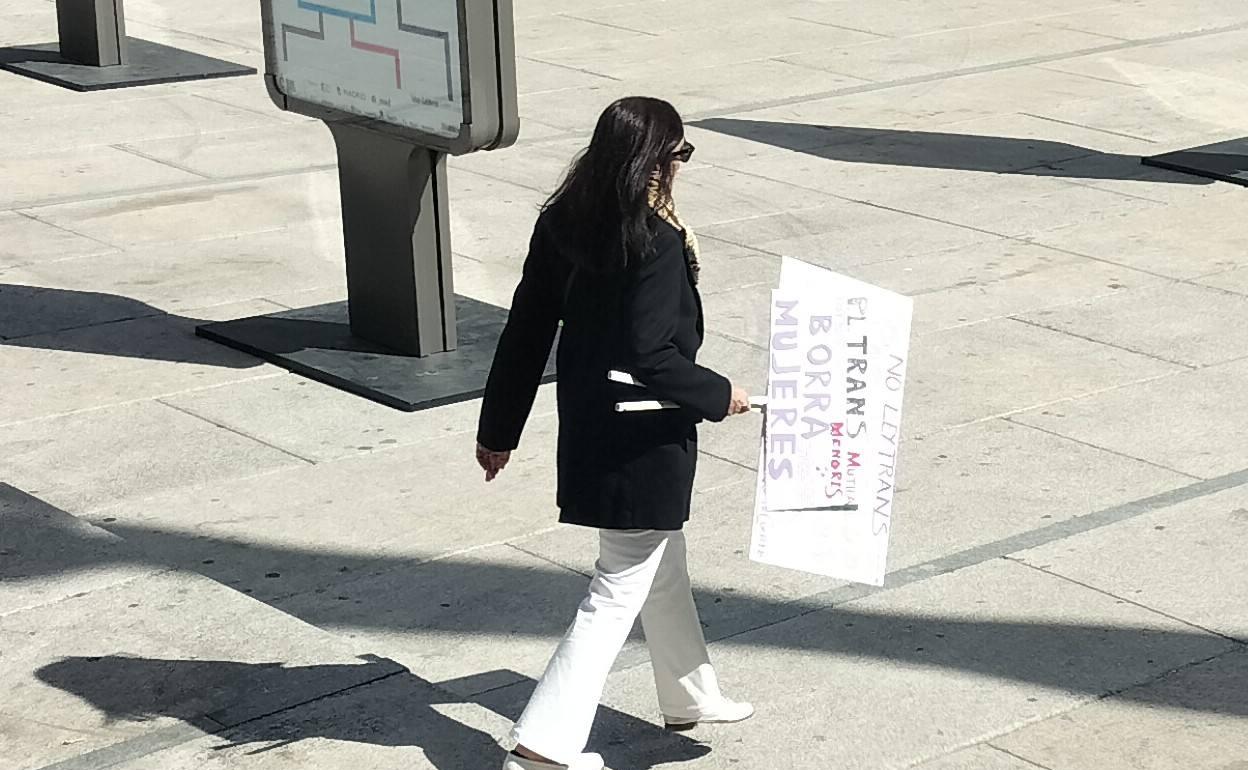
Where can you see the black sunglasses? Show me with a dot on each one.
(684, 153)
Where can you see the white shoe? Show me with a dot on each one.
(582, 762)
(725, 712)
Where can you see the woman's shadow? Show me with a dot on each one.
(258, 707)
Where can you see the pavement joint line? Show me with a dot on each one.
(24, 212)
(1088, 128)
(570, 68)
(1099, 448)
(729, 461)
(1125, 348)
(167, 163)
(1033, 240)
(1134, 603)
(980, 554)
(608, 25)
(100, 324)
(1009, 753)
(880, 35)
(1111, 81)
(156, 572)
(235, 431)
(180, 187)
(551, 562)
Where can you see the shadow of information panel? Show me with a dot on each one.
(1224, 161)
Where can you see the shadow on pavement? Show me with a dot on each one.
(437, 598)
(267, 706)
(91, 322)
(965, 152)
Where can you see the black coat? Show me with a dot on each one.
(631, 470)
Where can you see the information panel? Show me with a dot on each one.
(396, 61)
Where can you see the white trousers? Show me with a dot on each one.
(639, 572)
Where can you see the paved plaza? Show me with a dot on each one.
(207, 562)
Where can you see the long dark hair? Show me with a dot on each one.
(601, 211)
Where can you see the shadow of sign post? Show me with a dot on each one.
(401, 85)
(95, 54)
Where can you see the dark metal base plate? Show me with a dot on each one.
(317, 343)
(1224, 161)
(149, 64)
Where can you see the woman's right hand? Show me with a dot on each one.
(740, 403)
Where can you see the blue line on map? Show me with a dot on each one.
(369, 18)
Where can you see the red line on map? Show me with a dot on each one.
(381, 49)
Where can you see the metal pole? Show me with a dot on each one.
(92, 32)
(396, 225)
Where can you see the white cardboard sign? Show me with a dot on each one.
(823, 321)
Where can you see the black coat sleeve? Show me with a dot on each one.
(654, 310)
(523, 348)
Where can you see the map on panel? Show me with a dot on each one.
(394, 60)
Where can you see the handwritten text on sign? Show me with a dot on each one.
(806, 458)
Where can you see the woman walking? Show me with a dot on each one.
(612, 261)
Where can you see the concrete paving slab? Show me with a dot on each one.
(69, 125)
(492, 220)
(558, 31)
(734, 40)
(1198, 326)
(1003, 278)
(1159, 240)
(49, 555)
(1196, 541)
(1147, 728)
(109, 667)
(710, 196)
(324, 423)
(204, 212)
(227, 154)
(247, 93)
(1147, 20)
(233, 22)
(962, 488)
(1024, 205)
(93, 170)
(1209, 451)
(193, 275)
(123, 452)
(843, 234)
(25, 241)
(369, 513)
(538, 167)
(923, 670)
(534, 77)
(999, 44)
(951, 383)
(497, 608)
(95, 366)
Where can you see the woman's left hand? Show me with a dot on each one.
(492, 462)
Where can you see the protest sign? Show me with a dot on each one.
(828, 459)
